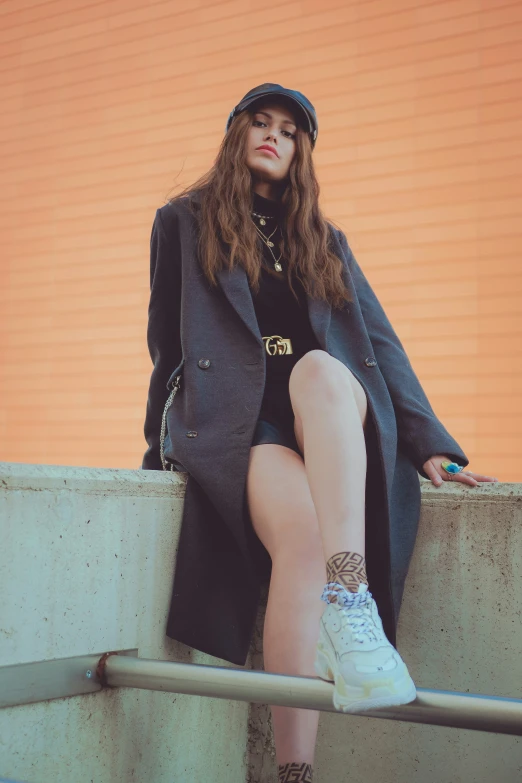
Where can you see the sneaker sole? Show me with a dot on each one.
(351, 699)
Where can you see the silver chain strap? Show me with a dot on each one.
(164, 423)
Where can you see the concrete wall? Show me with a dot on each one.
(86, 565)
(460, 629)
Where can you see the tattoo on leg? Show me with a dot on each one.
(347, 569)
(295, 772)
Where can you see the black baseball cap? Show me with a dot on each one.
(304, 109)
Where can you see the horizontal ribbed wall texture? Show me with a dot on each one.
(110, 107)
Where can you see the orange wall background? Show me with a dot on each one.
(110, 107)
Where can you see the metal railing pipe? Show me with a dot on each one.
(439, 708)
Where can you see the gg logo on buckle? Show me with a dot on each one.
(282, 345)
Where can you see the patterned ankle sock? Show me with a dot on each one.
(347, 569)
(295, 772)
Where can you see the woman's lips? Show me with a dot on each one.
(264, 149)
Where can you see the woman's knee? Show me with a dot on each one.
(298, 537)
(318, 375)
(280, 504)
(291, 532)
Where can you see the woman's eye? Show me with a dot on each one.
(291, 135)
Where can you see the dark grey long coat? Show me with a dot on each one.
(210, 338)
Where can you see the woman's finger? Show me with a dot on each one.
(480, 477)
(433, 473)
(464, 478)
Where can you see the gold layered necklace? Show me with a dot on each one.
(267, 240)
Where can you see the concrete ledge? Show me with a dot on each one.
(87, 564)
(94, 481)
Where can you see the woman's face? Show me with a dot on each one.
(272, 124)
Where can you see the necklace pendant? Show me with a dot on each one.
(278, 266)
(270, 244)
(263, 222)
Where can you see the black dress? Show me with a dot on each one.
(278, 314)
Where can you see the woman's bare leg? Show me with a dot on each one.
(330, 409)
(283, 516)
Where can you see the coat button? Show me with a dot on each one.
(204, 363)
(370, 361)
(192, 434)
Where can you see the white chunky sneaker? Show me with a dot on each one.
(355, 654)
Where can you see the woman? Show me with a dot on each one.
(298, 419)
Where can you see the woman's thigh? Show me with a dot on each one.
(280, 504)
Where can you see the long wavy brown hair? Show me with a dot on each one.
(227, 235)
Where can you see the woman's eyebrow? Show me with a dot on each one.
(287, 122)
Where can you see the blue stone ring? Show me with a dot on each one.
(451, 467)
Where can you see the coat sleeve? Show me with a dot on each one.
(420, 433)
(163, 330)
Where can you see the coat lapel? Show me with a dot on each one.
(235, 286)
(234, 283)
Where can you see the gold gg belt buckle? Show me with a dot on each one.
(281, 346)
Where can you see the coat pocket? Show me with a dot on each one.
(173, 385)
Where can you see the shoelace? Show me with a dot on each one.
(359, 618)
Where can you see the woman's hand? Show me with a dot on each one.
(432, 468)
